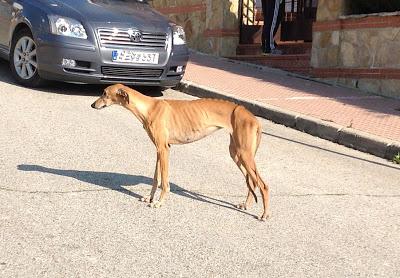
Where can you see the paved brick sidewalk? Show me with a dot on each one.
(350, 108)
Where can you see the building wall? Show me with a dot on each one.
(358, 51)
(330, 9)
(211, 26)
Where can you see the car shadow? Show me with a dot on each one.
(118, 182)
(63, 88)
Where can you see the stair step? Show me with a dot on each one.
(303, 71)
(299, 63)
(291, 58)
(287, 48)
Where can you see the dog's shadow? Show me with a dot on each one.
(116, 181)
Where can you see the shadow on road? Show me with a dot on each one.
(116, 182)
(330, 151)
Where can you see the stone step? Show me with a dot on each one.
(291, 60)
(303, 71)
(286, 47)
(298, 63)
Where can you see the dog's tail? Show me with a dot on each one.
(254, 175)
(258, 179)
(250, 181)
(250, 188)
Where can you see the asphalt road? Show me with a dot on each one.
(71, 177)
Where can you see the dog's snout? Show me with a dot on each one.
(93, 105)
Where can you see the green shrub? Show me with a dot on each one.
(396, 158)
(373, 6)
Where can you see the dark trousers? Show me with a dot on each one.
(273, 13)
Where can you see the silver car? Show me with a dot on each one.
(91, 41)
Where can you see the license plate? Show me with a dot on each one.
(134, 57)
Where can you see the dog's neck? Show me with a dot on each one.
(139, 105)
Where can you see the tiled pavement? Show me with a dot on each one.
(350, 108)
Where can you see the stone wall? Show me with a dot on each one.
(330, 9)
(211, 26)
(370, 48)
(359, 51)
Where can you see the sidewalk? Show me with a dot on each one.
(350, 117)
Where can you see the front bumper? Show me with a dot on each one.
(94, 65)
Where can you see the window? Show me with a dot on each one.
(369, 7)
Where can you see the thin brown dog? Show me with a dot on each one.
(170, 122)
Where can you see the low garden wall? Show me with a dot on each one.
(361, 51)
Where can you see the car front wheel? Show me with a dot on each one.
(23, 59)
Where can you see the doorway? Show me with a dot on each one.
(298, 19)
(296, 24)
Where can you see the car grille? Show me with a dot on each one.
(111, 37)
(131, 72)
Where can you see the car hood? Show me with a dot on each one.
(129, 13)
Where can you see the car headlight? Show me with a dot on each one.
(179, 37)
(65, 26)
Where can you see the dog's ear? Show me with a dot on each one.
(123, 94)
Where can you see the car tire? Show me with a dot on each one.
(23, 59)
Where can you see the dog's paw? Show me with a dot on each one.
(146, 199)
(264, 216)
(241, 206)
(156, 204)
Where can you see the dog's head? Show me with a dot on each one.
(114, 94)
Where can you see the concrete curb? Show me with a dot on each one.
(348, 137)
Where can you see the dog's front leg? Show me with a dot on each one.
(156, 182)
(163, 154)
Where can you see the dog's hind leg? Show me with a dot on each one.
(249, 164)
(250, 196)
(246, 136)
(251, 188)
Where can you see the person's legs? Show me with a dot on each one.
(264, 12)
(268, 9)
(271, 11)
(279, 19)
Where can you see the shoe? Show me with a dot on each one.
(272, 52)
(276, 51)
